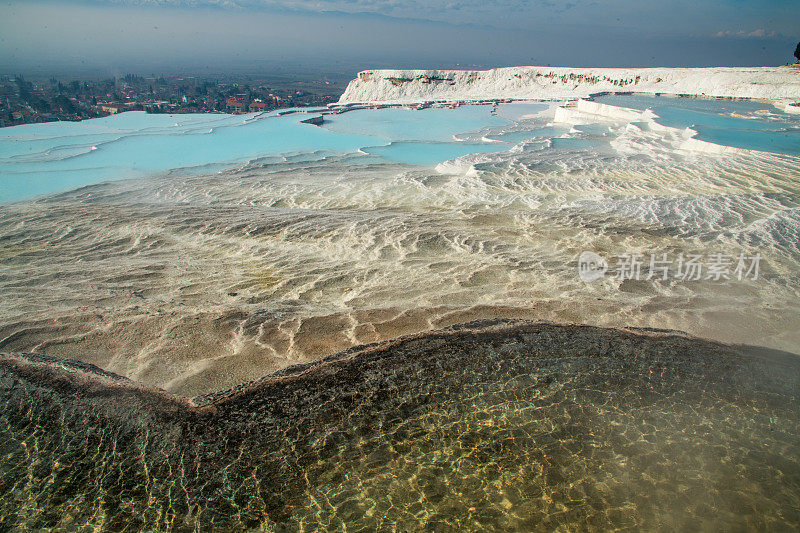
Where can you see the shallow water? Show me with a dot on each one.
(431, 153)
(491, 426)
(44, 158)
(38, 159)
(748, 125)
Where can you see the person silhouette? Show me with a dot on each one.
(797, 54)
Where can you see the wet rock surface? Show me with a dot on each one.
(489, 425)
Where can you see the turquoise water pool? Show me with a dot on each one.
(40, 159)
(741, 124)
(431, 153)
(528, 134)
(401, 124)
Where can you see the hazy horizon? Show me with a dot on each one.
(218, 37)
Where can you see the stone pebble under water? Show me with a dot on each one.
(494, 425)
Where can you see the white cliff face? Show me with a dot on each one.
(535, 83)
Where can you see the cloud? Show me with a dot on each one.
(502, 14)
(65, 35)
(406, 8)
(760, 33)
(652, 17)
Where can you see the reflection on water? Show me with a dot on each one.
(488, 428)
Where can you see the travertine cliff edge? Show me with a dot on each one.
(408, 86)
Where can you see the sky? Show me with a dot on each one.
(218, 36)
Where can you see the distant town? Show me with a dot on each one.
(24, 102)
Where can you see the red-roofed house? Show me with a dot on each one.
(258, 105)
(234, 105)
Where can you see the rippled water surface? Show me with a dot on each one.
(487, 427)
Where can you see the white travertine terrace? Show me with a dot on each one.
(781, 84)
